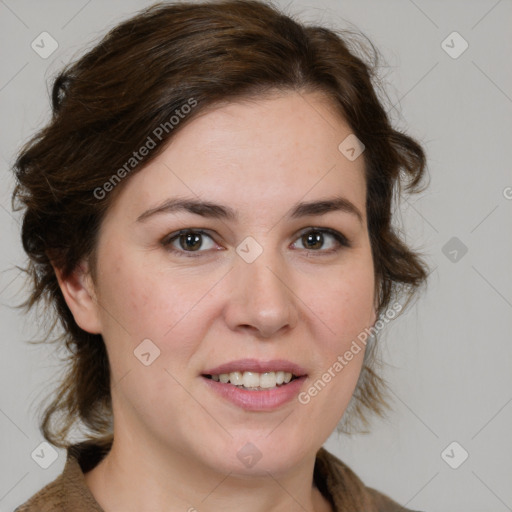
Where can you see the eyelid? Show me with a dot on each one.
(169, 239)
(340, 238)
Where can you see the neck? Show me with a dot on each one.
(135, 476)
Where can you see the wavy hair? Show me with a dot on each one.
(107, 102)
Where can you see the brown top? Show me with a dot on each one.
(336, 481)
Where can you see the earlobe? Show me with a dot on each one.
(79, 294)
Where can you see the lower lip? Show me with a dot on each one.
(266, 400)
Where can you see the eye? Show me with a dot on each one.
(188, 241)
(314, 239)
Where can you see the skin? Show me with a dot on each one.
(176, 441)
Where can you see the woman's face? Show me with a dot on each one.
(261, 284)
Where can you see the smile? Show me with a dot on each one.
(256, 385)
(254, 381)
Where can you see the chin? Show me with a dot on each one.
(259, 453)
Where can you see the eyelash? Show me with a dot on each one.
(342, 241)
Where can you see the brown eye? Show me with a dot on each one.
(188, 241)
(316, 239)
(313, 240)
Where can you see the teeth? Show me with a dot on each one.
(237, 378)
(268, 380)
(252, 380)
(248, 380)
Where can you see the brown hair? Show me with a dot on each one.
(130, 85)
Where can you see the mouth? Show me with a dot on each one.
(256, 385)
(254, 381)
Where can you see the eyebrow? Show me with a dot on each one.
(218, 211)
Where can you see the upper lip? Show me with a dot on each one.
(257, 366)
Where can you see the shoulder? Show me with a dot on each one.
(345, 489)
(69, 490)
(49, 498)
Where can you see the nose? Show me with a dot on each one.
(262, 298)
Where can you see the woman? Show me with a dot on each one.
(209, 212)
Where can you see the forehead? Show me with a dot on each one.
(262, 151)
(283, 126)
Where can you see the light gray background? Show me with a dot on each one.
(449, 358)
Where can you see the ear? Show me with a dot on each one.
(80, 296)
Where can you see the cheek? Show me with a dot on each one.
(139, 301)
(344, 308)
(345, 304)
